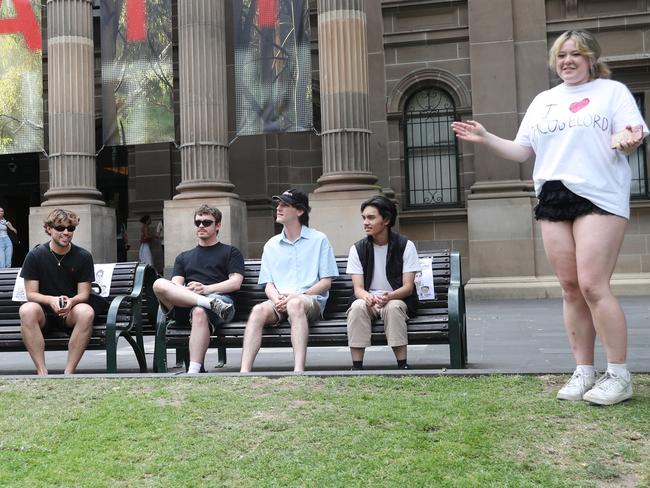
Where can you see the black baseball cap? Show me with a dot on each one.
(294, 197)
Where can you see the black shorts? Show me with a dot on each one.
(53, 322)
(557, 203)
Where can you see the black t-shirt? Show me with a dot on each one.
(209, 264)
(42, 265)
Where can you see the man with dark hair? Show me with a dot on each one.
(201, 282)
(297, 268)
(57, 277)
(383, 267)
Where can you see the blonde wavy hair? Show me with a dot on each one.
(587, 45)
(60, 216)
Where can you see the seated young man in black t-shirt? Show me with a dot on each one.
(201, 281)
(57, 277)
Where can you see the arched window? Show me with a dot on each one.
(431, 150)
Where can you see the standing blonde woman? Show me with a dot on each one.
(580, 133)
(6, 247)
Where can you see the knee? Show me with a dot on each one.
(393, 306)
(199, 316)
(295, 306)
(358, 305)
(593, 291)
(571, 290)
(159, 286)
(84, 313)
(257, 317)
(29, 313)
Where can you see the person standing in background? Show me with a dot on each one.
(146, 238)
(6, 247)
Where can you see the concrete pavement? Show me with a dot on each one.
(508, 336)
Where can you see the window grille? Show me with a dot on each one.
(431, 150)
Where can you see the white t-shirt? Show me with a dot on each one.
(570, 130)
(379, 283)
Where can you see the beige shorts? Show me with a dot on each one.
(311, 308)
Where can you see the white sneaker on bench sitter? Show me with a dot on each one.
(610, 389)
(577, 386)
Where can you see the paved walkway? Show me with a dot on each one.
(509, 336)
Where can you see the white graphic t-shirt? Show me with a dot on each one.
(570, 130)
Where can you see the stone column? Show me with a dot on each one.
(71, 102)
(508, 53)
(343, 64)
(204, 130)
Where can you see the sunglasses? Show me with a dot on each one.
(204, 223)
(61, 228)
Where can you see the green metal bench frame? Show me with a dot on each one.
(131, 295)
(440, 321)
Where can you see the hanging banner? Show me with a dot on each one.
(137, 72)
(272, 66)
(21, 77)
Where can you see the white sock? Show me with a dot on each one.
(618, 369)
(586, 369)
(194, 368)
(203, 301)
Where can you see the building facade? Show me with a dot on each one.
(382, 108)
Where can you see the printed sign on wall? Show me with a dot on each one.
(137, 72)
(272, 66)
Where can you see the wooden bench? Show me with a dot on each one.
(439, 321)
(131, 314)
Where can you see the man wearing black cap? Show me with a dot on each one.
(297, 268)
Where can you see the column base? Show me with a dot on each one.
(96, 231)
(347, 182)
(66, 197)
(501, 231)
(194, 190)
(338, 215)
(180, 233)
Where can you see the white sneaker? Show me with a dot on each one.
(609, 390)
(577, 386)
(221, 308)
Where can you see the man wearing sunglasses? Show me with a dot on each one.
(297, 269)
(202, 281)
(57, 277)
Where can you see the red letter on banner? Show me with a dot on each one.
(267, 13)
(136, 20)
(24, 23)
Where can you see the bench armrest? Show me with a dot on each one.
(456, 312)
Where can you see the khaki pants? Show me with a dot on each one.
(360, 317)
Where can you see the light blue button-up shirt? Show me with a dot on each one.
(294, 267)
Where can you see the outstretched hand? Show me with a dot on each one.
(628, 140)
(469, 131)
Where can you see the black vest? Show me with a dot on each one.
(394, 265)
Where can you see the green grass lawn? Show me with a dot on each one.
(502, 431)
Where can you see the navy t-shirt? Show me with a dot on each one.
(42, 265)
(209, 264)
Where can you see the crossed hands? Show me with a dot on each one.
(376, 301)
(196, 287)
(283, 299)
(61, 311)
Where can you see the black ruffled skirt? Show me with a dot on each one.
(557, 203)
